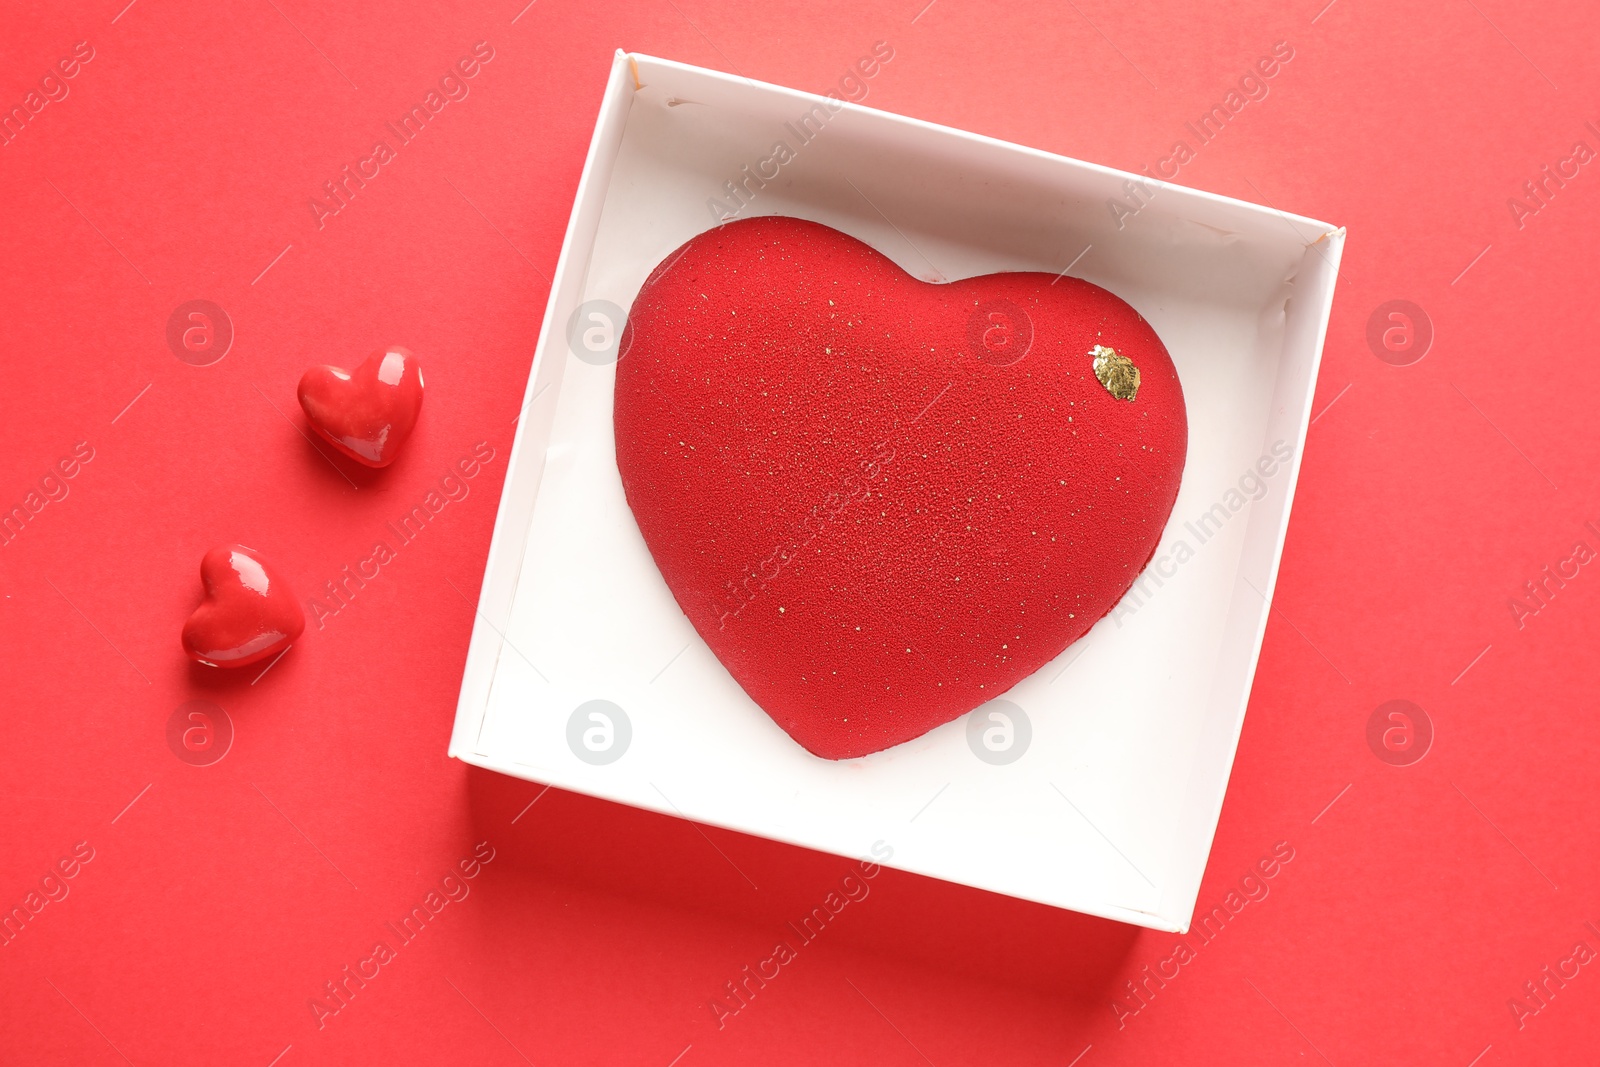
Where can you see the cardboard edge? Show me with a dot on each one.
(1180, 900)
(514, 512)
(1116, 913)
(1181, 191)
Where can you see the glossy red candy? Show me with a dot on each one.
(249, 613)
(366, 413)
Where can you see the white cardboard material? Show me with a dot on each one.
(1112, 807)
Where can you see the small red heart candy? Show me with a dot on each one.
(884, 502)
(366, 413)
(249, 613)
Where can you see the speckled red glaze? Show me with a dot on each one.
(248, 614)
(366, 413)
(873, 528)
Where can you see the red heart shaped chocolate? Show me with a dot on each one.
(880, 501)
(366, 413)
(248, 613)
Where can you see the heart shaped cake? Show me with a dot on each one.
(880, 501)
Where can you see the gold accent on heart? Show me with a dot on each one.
(1116, 372)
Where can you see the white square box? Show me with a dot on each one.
(1112, 807)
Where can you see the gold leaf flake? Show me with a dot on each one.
(1116, 372)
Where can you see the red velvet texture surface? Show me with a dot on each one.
(883, 502)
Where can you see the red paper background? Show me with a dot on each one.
(217, 905)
